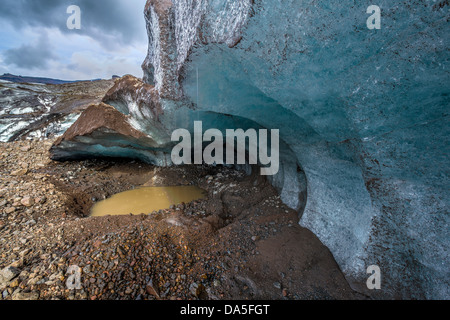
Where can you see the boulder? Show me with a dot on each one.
(103, 131)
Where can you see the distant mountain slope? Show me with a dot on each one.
(20, 79)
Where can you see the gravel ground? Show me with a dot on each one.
(241, 242)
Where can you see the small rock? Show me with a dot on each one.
(27, 201)
(14, 283)
(97, 244)
(25, 296)
(198, 290)
(31, 222)
(33, 280)
(83, 296)
(40, 200)
(128, 290)
(151, 290)
(10, 210)
(277, 285)
(9, 273)
(87, 269)
(17, 264)
(20, 172)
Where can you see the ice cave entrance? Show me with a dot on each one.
(146, 200)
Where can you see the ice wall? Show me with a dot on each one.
(364, 113)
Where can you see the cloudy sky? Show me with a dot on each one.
(35, 40)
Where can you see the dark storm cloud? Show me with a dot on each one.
(31, 56)
(111, 22)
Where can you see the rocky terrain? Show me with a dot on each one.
(45, 110)
(241, 242)
(363, 122)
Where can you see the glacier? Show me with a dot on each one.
(36, 110)
(362, 114)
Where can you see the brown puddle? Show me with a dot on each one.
(146, 200)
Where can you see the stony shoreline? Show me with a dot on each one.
(239, 243)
